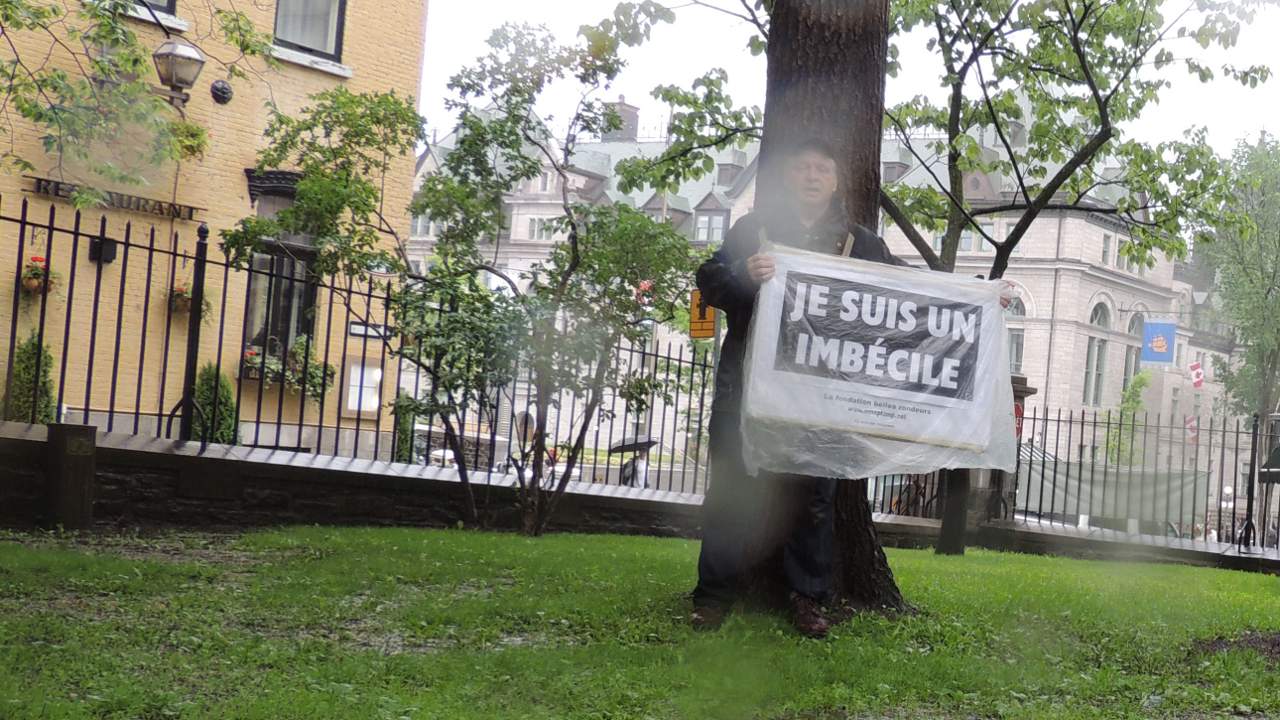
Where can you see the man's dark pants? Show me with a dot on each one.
(742, 524)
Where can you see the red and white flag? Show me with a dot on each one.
(1192, 424)
(1197, 374)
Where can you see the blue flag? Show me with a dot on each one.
(1157, 342)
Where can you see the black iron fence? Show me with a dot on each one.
(155, 333)
(152, 332)
(910, 495)
(1194, 478)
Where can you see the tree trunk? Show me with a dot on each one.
(1266, 406)
(535, 495)
(459, 451)
(1267, 388)
(1001, 262)
(575, 452)
(826, 80)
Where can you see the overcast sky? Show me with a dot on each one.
(702, 39)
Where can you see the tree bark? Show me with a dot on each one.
(459, 451)
(826, 74)
(826, 71)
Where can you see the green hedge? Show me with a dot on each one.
(22, 388)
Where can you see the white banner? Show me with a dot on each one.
(856, 369)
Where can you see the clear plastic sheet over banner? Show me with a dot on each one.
(857, 369)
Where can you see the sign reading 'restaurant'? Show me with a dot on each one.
(119, 201)
(864, 367)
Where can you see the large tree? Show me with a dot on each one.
(826, 75)
(1245, 256)
(1035, 90)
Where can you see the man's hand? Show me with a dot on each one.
(760, 268)
(1008, 293)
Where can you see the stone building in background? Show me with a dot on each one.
(1075, 333)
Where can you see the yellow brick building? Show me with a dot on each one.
(117, 336)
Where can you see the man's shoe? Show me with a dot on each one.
(807, 617)
(707, 617)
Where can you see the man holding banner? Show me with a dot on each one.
(851, 367)
(735, 533)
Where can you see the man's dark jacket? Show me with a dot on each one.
(724, 282)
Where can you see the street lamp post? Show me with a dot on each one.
(178, 64)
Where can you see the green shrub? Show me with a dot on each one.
(404, 429)
(1121, 447)
(220, 422)
(23, 384)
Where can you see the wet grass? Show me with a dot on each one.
(393, 623)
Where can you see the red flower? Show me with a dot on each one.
(37, 259)
(250, 353)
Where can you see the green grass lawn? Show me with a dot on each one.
(399, 623)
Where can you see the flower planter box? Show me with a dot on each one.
(255, 373)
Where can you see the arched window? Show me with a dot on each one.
(1017, 335)
(1095, 362)
(1133, 353)
(1100, 317)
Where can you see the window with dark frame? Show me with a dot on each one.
(542, 229)
(165, 6)
(311, 26)
(710, 226)
(281, 297)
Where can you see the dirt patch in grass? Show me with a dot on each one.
(366, 626)
(1265, 644)
(206, 548)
